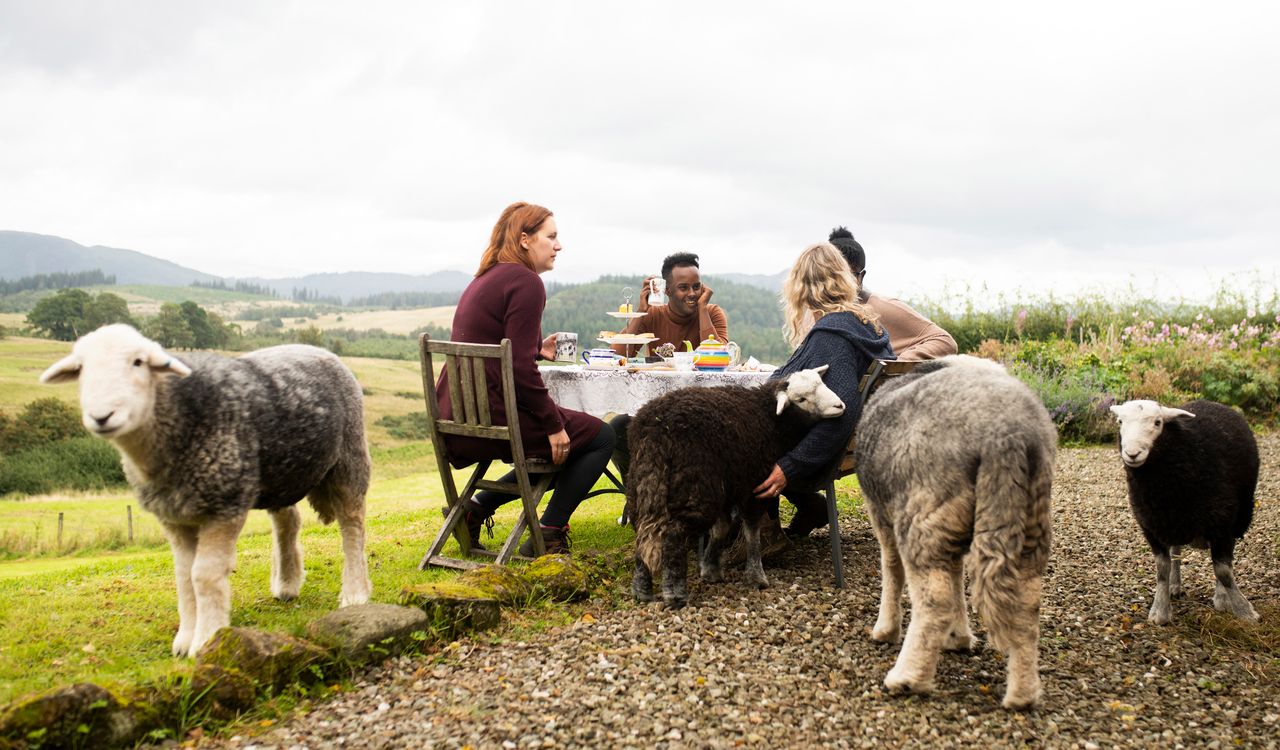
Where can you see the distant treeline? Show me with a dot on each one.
(397, 300)
(239, 286)
(60, 280)
(303, 294)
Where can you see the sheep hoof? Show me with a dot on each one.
(959, 641)
(1175, 592)
(182, 643)
(674, 603)
(712, 575)
(898, 684)
(1023, 699)
(1159, 617)
(642, 596)
(885, 635)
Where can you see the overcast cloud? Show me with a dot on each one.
(1019, 145)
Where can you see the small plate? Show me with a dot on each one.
(616, 314)
(619, 368)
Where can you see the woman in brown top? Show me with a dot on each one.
(506, 300)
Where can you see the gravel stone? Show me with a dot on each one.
(792, 666)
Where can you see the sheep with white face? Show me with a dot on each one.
(205, 438)
(1192, 473)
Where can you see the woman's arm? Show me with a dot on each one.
(829, 437)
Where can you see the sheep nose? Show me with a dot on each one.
(102, 421)
(1131, 454)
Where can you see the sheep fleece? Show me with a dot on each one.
(257, 431)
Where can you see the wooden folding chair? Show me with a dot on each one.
(469, 397)
(879, 369)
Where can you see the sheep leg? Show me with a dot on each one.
(1226, 597)
(1023, 636)
(642, 582)
(1175, 573)
(675, 569)
(931, 610)
(215, 558)
(356, 587)
(888, 627)
(1161, 611)
(754, 567)
(287, 572)
(711, 571)
(182, 542)
(959, 636)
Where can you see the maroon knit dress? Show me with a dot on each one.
(507, 302)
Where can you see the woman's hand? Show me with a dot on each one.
(559, 446)
(548, 350)
(773, 485)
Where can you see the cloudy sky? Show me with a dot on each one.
(1020, 146)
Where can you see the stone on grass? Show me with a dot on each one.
(501, 582)
(273, 659)
(558, 578)
(79, 715)
(453, 607)
(225, 691)
(369, 632)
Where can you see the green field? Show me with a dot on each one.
(103, 615)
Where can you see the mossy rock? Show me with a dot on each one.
(501, 582)
(453, 607)
(79, 715)
(268, 659)
(558, 578)
(369, 632)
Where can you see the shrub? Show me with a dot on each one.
(83, 463)
(43, 421)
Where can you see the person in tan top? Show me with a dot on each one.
(912, 335)
(688, 314)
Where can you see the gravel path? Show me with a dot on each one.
(791, 666)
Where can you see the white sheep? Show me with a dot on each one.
(1192, 473)
(205, 438)
(957, 458)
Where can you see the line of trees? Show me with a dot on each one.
(72, 313)
(397, 300)
(261, 290)
(59, 280)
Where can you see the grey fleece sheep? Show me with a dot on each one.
(206, 438)
(957, 457)
(1192, 473)
(697, 454)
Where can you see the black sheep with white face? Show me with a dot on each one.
(1192, 474)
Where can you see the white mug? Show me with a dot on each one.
(683, 361)
(566, 347)
(657, 288)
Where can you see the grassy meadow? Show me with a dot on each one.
(403, 321)
(100, 609)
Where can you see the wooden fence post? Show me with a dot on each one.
(59, 531)
(129, 509)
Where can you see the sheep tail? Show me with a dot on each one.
(648, 501)
(1011, 537)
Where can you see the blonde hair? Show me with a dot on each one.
(819, 283)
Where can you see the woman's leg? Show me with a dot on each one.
(621, 454)
(580, 473)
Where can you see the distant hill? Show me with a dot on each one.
(364, 284)
(27, 254)
(771, 282)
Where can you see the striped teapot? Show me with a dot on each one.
(714, 355)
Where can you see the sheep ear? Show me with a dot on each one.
(1115, 409)
(1169, 413)
(782, 400)
(821, 369)
(64, 370)
(161, 361)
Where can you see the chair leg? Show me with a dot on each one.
(452, 523)
(834, 531)
(528, 519)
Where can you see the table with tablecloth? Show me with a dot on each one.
(621, 390)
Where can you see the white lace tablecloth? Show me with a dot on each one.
(601, 392)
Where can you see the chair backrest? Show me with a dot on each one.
(874, 376)
(468, 383)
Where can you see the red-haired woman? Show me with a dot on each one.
(506, 300)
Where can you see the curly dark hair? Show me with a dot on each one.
(677, 259)
(850, 248)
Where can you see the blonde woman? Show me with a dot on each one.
(828, 326)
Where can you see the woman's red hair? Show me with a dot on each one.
(504, 243)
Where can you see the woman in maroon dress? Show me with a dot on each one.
(506, 300)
